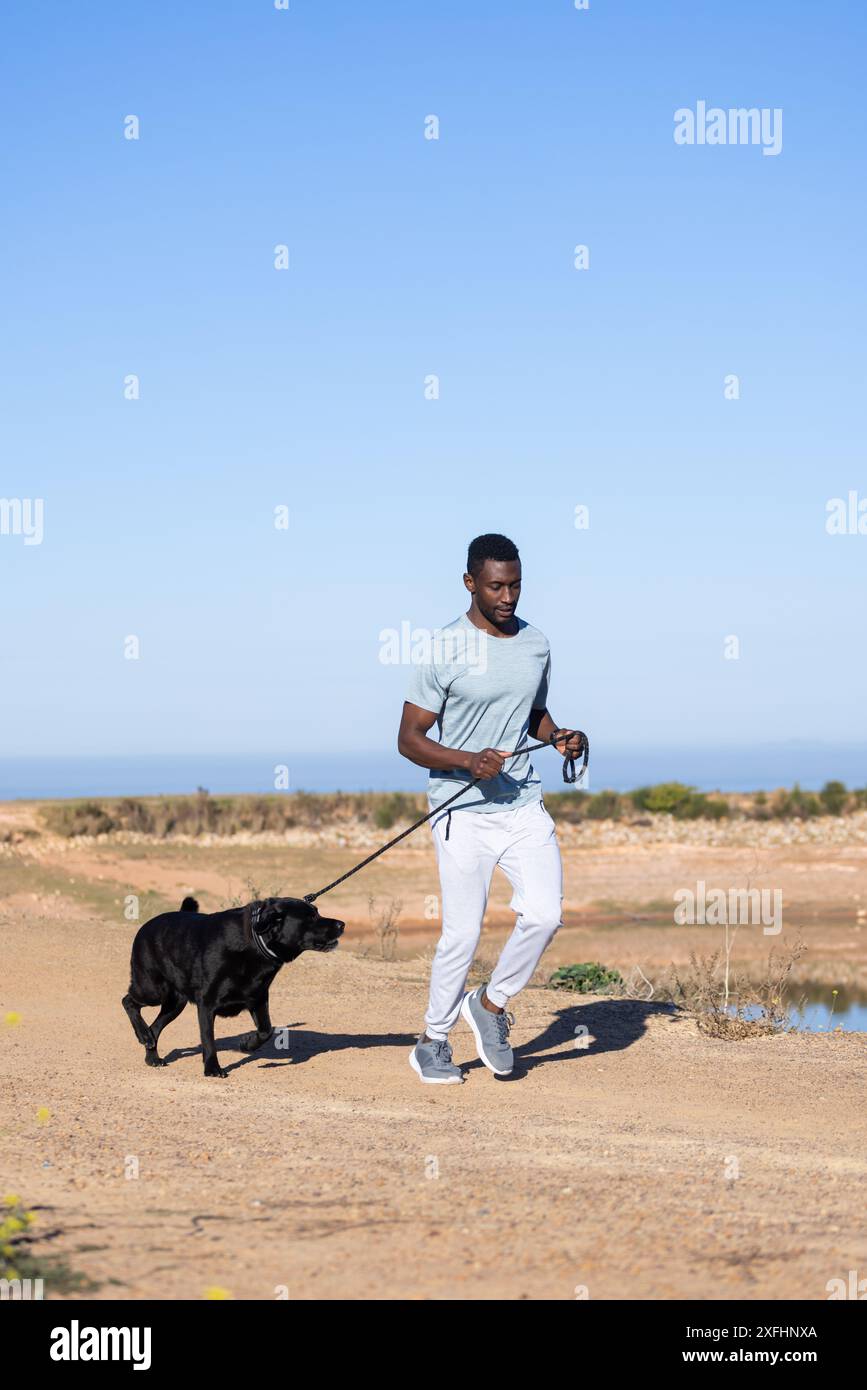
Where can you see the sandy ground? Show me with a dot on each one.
(652, 1162)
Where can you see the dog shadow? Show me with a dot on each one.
(593, 1028)
(287, 1047)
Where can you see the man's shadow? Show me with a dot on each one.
(593, 1028)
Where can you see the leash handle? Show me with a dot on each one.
(569, 776)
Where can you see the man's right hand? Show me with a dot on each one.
(488, 763)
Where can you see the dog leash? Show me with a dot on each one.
(569, 776)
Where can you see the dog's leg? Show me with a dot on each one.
(262, 1019)
(209, 1047)
(169, 1010)
(140, 1028)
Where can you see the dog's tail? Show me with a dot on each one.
(189, 905)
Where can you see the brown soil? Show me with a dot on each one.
(654, 1162)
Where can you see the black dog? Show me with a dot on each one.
(222, 962)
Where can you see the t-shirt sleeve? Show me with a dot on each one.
(426, 688)
(541, 700)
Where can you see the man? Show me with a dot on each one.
(486, 689)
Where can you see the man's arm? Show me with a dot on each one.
(413, 743)
(542, 726)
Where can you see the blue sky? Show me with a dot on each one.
(410, 257)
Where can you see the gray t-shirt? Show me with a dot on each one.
(482, 689)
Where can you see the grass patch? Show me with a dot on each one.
(589, 977)
(19, 1260)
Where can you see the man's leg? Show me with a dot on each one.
(531, 862)
(466, 862)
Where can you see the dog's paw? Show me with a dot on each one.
(214, 1069)
(152, 1060)
(251, 1041)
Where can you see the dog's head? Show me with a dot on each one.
(288, 926)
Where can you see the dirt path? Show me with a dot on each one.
(326, 1168)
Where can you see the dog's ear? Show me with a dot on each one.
(277, 921)
(276, 913)
(267, 913)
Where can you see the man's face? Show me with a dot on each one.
(497, 588)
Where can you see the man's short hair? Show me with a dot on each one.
(490, 547)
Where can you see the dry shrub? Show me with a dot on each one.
(252, 893)
(203, 814)
(735, 1007)
(384, 921)
(481, 970)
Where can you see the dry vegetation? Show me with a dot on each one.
(201, 813)
(727, 1004)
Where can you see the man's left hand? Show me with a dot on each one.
(569, 742)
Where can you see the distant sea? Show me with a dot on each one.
(733, 769)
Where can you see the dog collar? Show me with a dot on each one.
(263, 949)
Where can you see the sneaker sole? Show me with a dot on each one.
(467, 1016)
(432, 1080)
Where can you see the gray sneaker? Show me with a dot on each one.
(491, 1032)
(432, 1062)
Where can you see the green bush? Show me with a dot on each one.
(666, 798)
(682, 802)
(796, 804)
(587, 978)
(604, 806)
(698, 806)
(833, 797)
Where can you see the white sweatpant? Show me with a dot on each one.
(523, 842)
